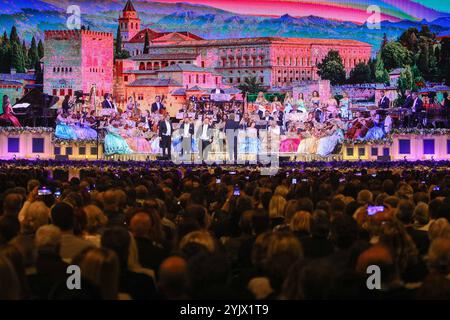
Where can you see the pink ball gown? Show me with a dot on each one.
(7, 115)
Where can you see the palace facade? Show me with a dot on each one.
(274, 61)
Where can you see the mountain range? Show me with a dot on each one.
(32, 17)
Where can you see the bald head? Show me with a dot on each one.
(173, 277)
(140, 224)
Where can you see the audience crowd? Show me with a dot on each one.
(212, 233)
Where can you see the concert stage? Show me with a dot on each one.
(411, 144)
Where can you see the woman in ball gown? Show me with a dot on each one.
(301, 103)
(332, 135)
(114, 143)
(288, 102)
(315, 99)
(308, 144)
(377, 131)
(292, 140)
(7, 112)
(261, 102)
(63, 129)
(84, 131)
(344, 106)
(137, 141)
(358, 127)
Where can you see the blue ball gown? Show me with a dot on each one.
(375, 133)
(64, 131)
(115, 144)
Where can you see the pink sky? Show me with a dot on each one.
(278, 8)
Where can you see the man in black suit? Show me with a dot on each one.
(418, 112)
(231, 132)
(384, 101)
(266, 117)
(165, 133)
(407, 104)
(408, 100)
(205, 136)
(186, 132)
(157, 106)
(107, 103)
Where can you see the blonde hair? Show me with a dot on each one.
(202, 238)
(101, 267)
(281, 190)
(301, 221)
(276, 206)
(35, 216)
(95, 218)
(283, 243)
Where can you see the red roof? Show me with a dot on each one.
(153, 35)
(129, 6)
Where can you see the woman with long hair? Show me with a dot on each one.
(100, 267)
(7, 112)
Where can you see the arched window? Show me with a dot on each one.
(142, 66)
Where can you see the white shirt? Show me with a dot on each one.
(168, 129)
(204, 135)
(414, 105)
(186, 130)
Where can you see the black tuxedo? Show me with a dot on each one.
(166, 137)
(408, 102)
(107, 104)
(157, 106)
(384, 103)
(186, 141)
(231, 128)
(205, 142)
(418, 106)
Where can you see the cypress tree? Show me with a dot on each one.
(40, 49)
(146, 44)
(14, 37)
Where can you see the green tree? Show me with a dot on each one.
(444, 61)
(331, 68)
(5, 37)
(423, 61)
(18, 60)
(118, 41)
(33, 56)
(13, 36)
(395, 55)
(146, 44)
(251, 86)
(360, 74)
(409, 39)
(405, 81)
(381, 74)
(385, 40)
(40, 49)
(26, 60)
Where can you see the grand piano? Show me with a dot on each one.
(36, 109)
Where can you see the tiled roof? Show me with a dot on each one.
(10, 83)
(154, 82)
(266, 40)
(152, 35)
(167, 56)
(129, 6)
(184, 67)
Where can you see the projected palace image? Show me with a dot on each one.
(254, 150)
